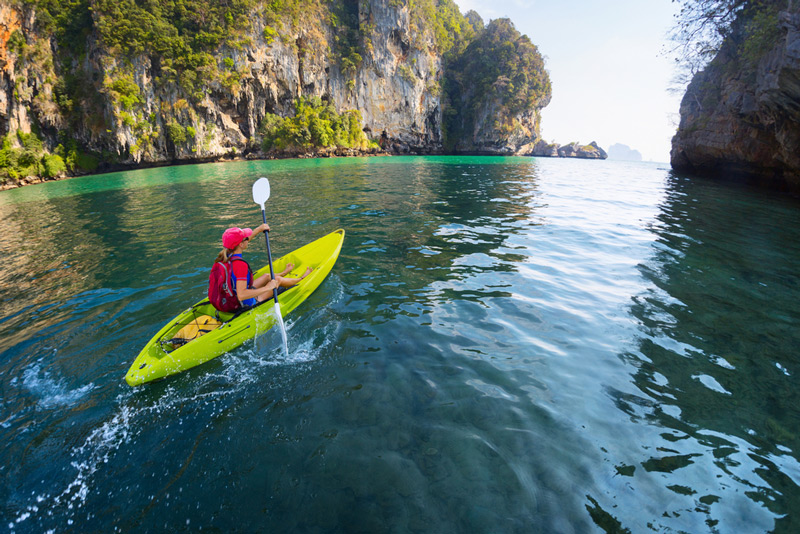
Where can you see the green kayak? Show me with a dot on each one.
(201, 333)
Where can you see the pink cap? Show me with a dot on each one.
(232, 237)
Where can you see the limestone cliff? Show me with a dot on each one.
(740, 117)
(121, 95)
(495, 91)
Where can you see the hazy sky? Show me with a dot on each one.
(609, 74)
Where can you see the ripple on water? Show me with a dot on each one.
(505, 345)
(51, 392)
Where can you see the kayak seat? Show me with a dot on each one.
(202, 324)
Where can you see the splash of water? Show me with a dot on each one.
(99, 449)
(53, 392)
(282, 326)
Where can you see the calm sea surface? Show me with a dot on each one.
(505, 345)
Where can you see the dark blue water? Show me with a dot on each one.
(505, 345)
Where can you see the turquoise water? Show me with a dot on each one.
(505, 345)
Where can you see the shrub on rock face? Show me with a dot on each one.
(29, 159)
(271, 130)
(176, 133)
(316, 124)
(53, 166)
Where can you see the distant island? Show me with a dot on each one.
(623, 152)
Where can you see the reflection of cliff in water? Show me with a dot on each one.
(60, 251)
(450, 222)
(115, 234)
(717, 357)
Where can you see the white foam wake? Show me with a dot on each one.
(52, 392)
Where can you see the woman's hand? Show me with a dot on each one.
(263, 228)
(271, 286)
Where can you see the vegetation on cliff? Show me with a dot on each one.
(442, 21)
(315, 124)
(102, 82)
(24, 154)
(701, 27)
(30, 159)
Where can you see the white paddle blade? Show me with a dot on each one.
(261, 191)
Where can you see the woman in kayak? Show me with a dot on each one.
(249, 291)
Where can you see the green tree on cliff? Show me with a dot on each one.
(702, 25)
(315, 124)
(500, 65)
